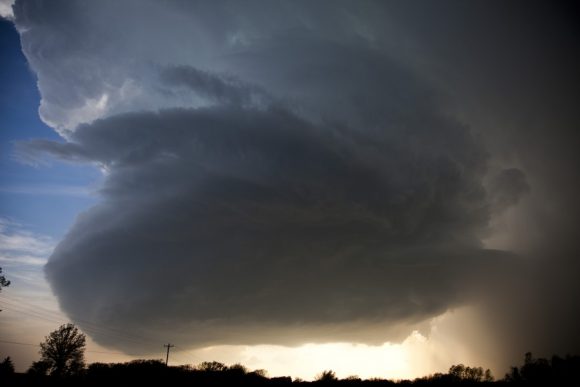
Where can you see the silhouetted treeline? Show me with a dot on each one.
(556, 371)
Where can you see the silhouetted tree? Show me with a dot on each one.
(3, 282)
(237, 369)
(6, 367)
(261, 373)
(488, 377)
(460, 372)
(457, 371)
(39, 368)
(535, 369)
(212, 366)
(63, 351)
(543, 371)
(281, 380)
(326, 376)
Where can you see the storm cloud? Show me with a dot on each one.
(281, 172)
(230, 219)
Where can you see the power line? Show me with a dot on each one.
(188, 354)
(17, 343)
(100, 331)
(38, 345)
(53, 313)
(183, 356)
(88, 326)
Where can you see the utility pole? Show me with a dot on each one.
(169, 346)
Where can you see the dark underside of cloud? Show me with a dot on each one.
(231, 225)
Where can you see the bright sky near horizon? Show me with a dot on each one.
(294, 187)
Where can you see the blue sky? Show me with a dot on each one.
(43, 198)
(38, 203)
